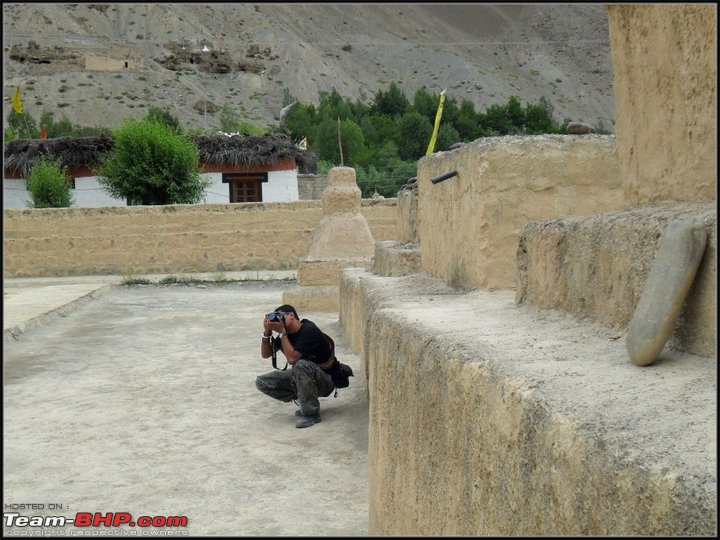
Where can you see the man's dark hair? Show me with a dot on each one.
(287, 308)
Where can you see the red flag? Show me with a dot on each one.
(43, 134)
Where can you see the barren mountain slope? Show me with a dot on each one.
(480, 52)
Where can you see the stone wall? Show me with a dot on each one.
(468, 226)
(170, 239)
(665, 66)
(311, 186)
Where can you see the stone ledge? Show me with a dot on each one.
(396, 258)
(24, 318)
(597, 266)
(520, 421)
(313, 298)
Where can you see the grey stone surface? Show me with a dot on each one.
(670, 278)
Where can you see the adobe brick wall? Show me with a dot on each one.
(468, 226)
(665, 67)
(170, 239)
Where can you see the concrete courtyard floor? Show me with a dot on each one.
(142, 399)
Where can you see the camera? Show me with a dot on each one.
(276, 316)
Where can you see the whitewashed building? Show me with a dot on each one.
(241, 168)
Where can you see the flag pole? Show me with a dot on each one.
(342, 162)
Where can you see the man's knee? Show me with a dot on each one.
(303, 367)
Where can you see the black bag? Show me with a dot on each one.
(340, 373)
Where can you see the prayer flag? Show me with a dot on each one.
(438, 115)
(17, 104)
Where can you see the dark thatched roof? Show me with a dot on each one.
(76, 152)
(249, 150)
(73, 152)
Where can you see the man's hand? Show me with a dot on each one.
(278, 326)
(267, 328)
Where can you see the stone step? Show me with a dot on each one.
(517, 420)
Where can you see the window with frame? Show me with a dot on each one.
(245, 187)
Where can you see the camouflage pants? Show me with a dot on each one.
(305, 382)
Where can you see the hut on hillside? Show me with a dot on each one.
(242, 168)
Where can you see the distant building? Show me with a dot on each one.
(242, 168)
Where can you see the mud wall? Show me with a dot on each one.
(576, 440)
(596, 267)
(522, 423)
(665, 66)
(174, 238)
(468, 226)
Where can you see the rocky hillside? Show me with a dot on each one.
(100, 63)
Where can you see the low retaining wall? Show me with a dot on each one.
(597, 267)
(468, 226)
(170, 239)
(492, 419)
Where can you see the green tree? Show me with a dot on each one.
(232, 122)
(63, 128)
(495, 120)
(326, 143)
(299, 122)
(415, 131)
(47, 120)
(164, 117)
(49, 185)
(23, 124)
(392, 103)
(466, 121)
(515, 115)
(333, 106)
(446, 137)
(287, 97)
(151, 165)
(379, 155)
(385, 129)
(426, 103)
(537, 120)
(9, 134)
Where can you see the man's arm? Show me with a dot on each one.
(288, 350)
(265, 348)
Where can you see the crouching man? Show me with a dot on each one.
(307, 350)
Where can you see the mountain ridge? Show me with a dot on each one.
(481, 52)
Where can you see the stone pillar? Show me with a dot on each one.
(343, 239)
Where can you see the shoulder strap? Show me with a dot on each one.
(274, 356)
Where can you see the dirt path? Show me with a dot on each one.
(143, 401)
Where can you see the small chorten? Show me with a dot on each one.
(342, 240)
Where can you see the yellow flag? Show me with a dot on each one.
(17, 104)
(438, 115)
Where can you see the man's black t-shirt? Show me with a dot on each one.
(310, 342)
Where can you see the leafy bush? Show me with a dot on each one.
(151, 165)
(49, 185)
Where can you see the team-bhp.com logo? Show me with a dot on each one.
(149, 525)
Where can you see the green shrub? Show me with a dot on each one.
(49, 185)
(151, 165)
